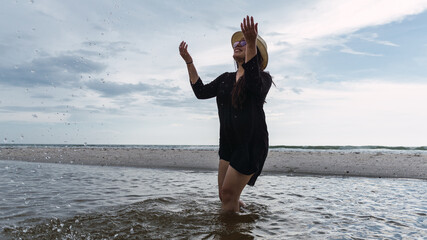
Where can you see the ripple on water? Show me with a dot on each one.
(159, 218)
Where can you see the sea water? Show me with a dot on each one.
(395, 149)
(59, 201)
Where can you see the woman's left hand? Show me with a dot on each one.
(249, 30)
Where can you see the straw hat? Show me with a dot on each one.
(260, 43)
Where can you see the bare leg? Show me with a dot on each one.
(222, 170)
(234, 183)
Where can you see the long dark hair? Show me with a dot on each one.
(238, 95)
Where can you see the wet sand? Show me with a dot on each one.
(369, 164)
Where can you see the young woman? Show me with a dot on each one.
(240, 96)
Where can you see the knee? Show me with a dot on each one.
(228, 195)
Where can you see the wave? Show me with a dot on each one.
(215, 147)
(368, 147)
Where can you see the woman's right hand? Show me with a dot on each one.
(184, 53)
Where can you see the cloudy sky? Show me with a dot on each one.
(109, 72)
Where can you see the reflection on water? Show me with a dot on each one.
(49, 201)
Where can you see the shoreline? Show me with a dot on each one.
(363, 164)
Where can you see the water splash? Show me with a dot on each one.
(142, 220)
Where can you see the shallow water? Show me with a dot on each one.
(58, 201)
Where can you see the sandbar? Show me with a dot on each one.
(365, 164)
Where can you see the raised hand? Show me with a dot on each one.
(192, 72)
(249, 30)
(184, 53)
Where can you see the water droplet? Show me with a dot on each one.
(16, 67)
(31, 1)
(33, 29)
(102, 34)
(32, 71)
(5, 140)
(85, 144)
(22, 136)
(35, 116)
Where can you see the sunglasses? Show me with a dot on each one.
(242, 43)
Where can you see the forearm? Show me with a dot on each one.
(192, 73)
(250, 51)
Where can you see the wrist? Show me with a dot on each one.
(251, 44)
(190, 62)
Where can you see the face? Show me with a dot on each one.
(239, 51)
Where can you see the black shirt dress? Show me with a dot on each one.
(243, 138)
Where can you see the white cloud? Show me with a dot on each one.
(370, 111)
(351, 51)
(133, 46)
(322, 24)
(334, 17)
